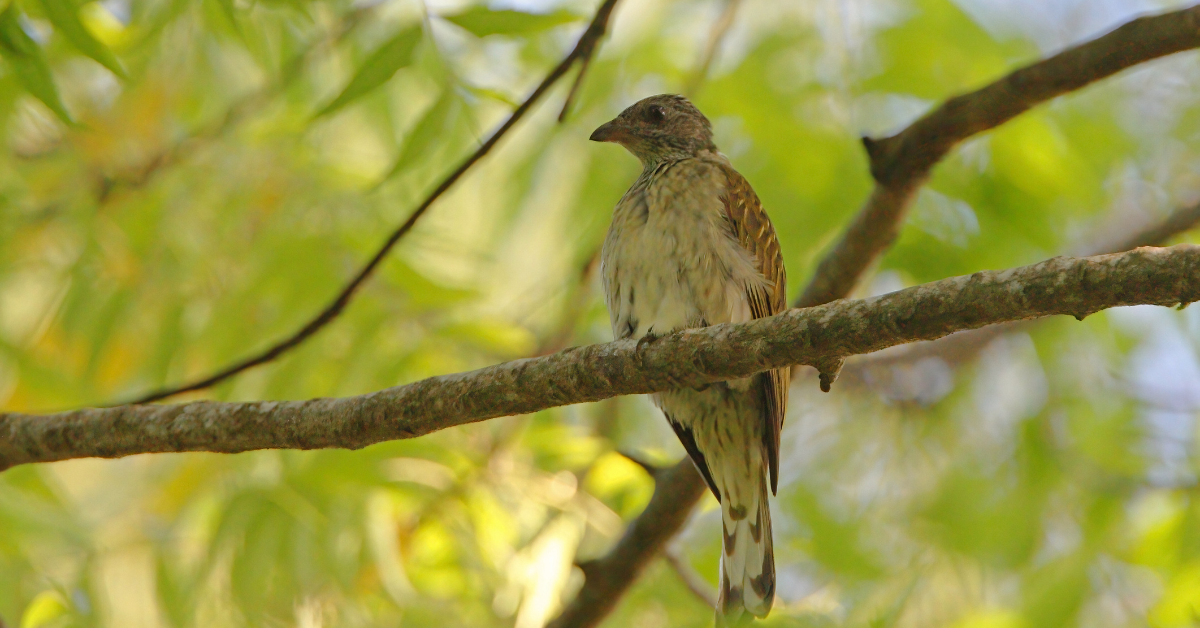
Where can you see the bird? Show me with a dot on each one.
(691, 246)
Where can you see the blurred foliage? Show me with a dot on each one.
(184, 181)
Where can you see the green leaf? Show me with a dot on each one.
(65, 17)
(481, 21)
(231, 14)
(424, 133)
(378, 68)
(28, 64)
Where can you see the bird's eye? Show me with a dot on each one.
(656, 114)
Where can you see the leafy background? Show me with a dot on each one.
(183, 181)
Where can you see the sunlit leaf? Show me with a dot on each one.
(46, 610)
(230, 13)
(424, 134)
(64, 14)
(481, 21)
(380, 66)
(25, 58)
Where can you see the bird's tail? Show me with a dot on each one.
(748, 559)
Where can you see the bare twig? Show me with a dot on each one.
(1157, 234)
(720, 29)
(575, 85)
(693, 357)
(692, 580)
(583, 50)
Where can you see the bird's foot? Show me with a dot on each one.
(649, 338)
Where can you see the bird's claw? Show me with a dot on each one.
(645, 340)
(649, 338)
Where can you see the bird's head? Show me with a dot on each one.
(659, 128)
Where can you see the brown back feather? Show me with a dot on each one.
(752, 228)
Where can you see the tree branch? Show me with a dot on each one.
(901, 163)
(689, 358)
(582, 52)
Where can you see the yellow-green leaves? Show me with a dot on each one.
(65, 16)
(27, 62)
(378, 68)
(962, 56)
(482, 22)
(424, 134)
(46, 609)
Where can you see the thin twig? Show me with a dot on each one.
(720, 29)
(692, 580)
(1179, 221)
(583, 50)
(583, 68)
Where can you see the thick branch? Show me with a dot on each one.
(582, 52)
(902, 163)
(694, 357)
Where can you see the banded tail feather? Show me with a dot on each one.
(747, 558)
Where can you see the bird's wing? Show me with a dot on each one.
(752, 228)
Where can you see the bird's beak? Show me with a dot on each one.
(611, 131)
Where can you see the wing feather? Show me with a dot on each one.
(751, 227)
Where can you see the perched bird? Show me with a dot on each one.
(690, 246)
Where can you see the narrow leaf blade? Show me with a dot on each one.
(481, 21)
(230, 12)
(28, 63)
(424, 134)
(378, 68)
(65, 17)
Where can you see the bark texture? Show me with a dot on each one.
(816, 336)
